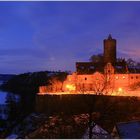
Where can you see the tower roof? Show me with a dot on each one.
(109, 37)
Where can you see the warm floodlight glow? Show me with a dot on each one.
(113, 94)
(70, 87)
(120, 89)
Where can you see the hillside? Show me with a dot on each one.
(6, 77)
(27, 85)
(30, 82)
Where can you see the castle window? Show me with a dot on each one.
(131, 77)
(136, 77)
(82, 67)
(91, 67)
(85, 78)
(123, 77)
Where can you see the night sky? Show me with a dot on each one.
(38, 36)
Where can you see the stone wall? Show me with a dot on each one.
(81, 103)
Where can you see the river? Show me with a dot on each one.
(4, 96)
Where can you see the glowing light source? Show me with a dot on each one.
(123, 77)
(120, 89)
(70, 87)
(117, 77)
(113, 94)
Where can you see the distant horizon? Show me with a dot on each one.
(52, 36)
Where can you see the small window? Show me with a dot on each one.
(131, 77)
(108, 71)
(136, 77)
(82, 67)
(91, 67)
(123, 77)
(85, 78)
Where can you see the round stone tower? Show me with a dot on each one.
(110, 50)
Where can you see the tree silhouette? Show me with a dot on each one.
(97, 58)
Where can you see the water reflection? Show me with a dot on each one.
(8, 103)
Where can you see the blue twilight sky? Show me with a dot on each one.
(38, 36)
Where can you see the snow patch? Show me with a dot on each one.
(97, 133)
(12, 136)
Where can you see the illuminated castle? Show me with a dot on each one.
(110, 76)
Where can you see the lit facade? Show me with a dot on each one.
(109, 77)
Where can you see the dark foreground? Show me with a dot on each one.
(69, 116)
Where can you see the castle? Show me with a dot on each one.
(108, 77)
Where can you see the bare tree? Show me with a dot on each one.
(101, 85)
(55, 84)
(130, 62)
(135, 86)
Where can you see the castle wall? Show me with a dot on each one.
(121, 81)
(88, 82)
(73, 104)
(86, 78)
(134, 78)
